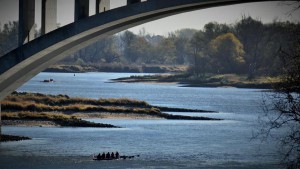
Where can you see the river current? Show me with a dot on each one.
(227, 143)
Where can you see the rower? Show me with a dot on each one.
(99, 156)
(108, 155)
(112, 155)
(117, 155)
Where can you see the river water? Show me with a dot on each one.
(160, 143)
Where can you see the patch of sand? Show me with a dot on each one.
(45, 123)
(114, 116)
(40, 123)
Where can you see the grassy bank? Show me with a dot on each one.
(60, 108)
(58, 118)
(210, 80)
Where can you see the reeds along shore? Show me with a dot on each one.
(58, 118)
(34, 106)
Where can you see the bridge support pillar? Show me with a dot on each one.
(0, 123)
(26, 21)
(49, 16)
(81, 9)
(133, 1)
(102, 5)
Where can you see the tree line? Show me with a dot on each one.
(246, 47)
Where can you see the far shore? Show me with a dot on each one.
(116, 68)
(211, 80)
(170, 75)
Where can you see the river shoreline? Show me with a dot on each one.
(49, 123)
(171, 75)
(116, 68)
(214, 81)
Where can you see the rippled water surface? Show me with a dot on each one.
(160, 143)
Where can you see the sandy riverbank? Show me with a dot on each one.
(115, 116)
(47, 123)
(40, 123)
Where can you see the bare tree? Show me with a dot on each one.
(282, 106)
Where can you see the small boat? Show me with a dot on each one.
(106, 159)
(48, 80)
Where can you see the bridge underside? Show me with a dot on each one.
(46, 50)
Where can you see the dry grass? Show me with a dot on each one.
(57, 118)
(35, 104)
(36, 115)
(60, 100)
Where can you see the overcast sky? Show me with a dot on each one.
(265, 11)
